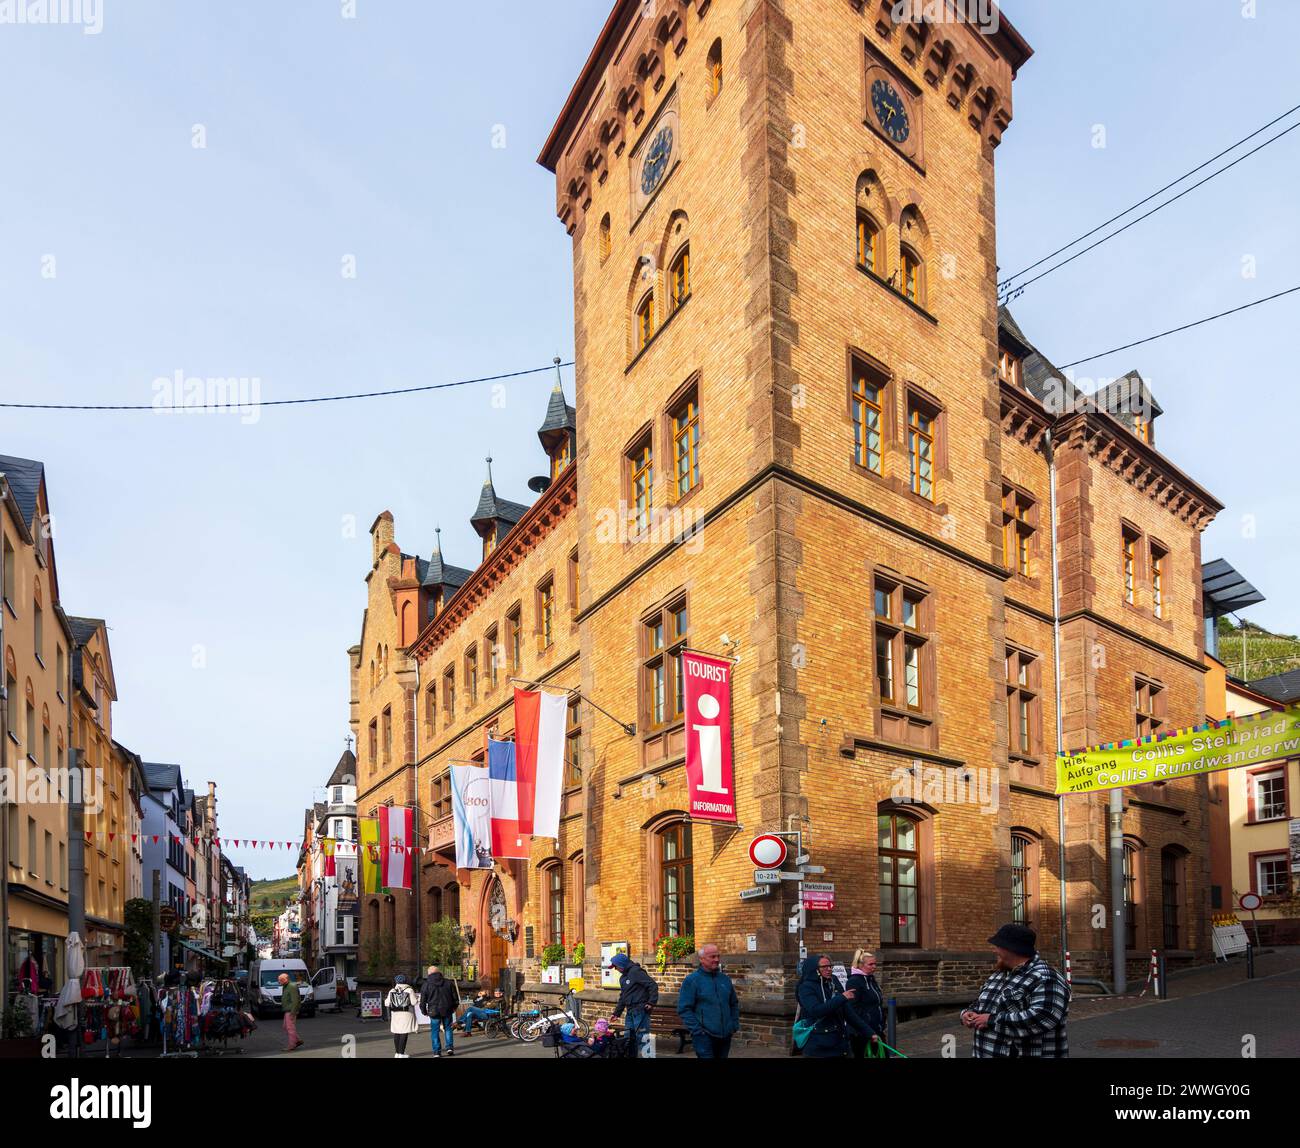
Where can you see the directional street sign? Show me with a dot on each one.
(756, 891)
(818, 895)
(767, 876)
(814, 868)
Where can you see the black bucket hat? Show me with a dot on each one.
(1018, 939)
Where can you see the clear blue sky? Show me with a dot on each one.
(372, 137)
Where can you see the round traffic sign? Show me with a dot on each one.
(1250, 901)
(767, 851)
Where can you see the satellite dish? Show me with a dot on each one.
(539, 483)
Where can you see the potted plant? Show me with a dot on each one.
(552, 956)
(17, 1037)
(671, 948)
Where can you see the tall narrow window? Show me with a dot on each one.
(374, 742)
(575, 581)
(605, 241)
(1017, 530)
(1158, 559)
(663, 637)
(1129, 541)
(645, 320)
(901, 646)
(898, 860)
(1171, 896)
(715, 69)
(869, 246)
(677, 880)
(10, 574)
(913, 275)
(920, 448)
(642, 462)
(555, 904)
(686, 445)
(388, 733)
(1009, 368)
(562, 457)
(1149, 704)
(868, 419)
(471, 674)
(1024, 719)
(573, 747)
(1022, 849)
(449, 694)
(492, 651)
(1130, 894)
(514, 638)
(38, 630)
(546, 613)
(679, 276)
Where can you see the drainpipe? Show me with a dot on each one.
(1056, 667)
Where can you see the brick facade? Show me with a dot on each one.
(777, 551)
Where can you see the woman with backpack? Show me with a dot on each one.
(826, 1014)
(401, 1014)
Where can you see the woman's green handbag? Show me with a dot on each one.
(803, 1029)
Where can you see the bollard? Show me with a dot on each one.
(1162, 985)
(1250, 961)
(891, 1022)
(1069, 980)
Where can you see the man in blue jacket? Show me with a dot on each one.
(707, 1004)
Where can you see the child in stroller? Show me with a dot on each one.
(603, 1042)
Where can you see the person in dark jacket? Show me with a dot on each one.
(438, 1003)
(707, 1004)
(638, 994)
(868, 1002)
(824, 1003)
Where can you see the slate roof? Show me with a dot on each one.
(1041, 378)
(346, 768)
(1126, 397)
(83, 629)
(24, 477)
(440, 573)
(1279, 687)
(559, 416)
(161, 776)
(491, 508)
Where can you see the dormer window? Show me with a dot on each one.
(1009, 368)
(489, 542)
(562, 457)
(1142, 428)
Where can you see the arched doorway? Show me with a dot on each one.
(496, 951)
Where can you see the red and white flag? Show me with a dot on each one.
(540, 726)
(395, 826)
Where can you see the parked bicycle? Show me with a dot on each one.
(549, 1020)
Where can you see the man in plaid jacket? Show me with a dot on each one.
(1022, 1007)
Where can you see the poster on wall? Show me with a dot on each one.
(471, 817)
(709, 771)
(1293, 835)
(609, 976)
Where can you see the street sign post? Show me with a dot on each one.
(818, 895)
(756, 891)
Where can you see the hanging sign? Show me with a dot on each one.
(1251, 740)
(709, 769)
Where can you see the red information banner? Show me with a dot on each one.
(710, 775)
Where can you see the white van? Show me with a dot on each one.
(326, 988)
(264, 987)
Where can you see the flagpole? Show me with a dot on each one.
(629, 727)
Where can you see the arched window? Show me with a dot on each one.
(644, 320)
(870, 253)
(679, 277)
(1173, 866)
(553, 900)
(1024, 877)
(913, 274)
(451, 901)
(715, 69)
(605, 239)
(1132, 892)
(899, 859)
(676, 880)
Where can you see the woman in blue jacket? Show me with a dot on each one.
(824, 1003)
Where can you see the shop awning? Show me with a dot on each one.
(200, 950)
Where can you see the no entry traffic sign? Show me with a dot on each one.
(767, 851)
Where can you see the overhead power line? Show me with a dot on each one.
(1015, 291)
(1160, 191)
(241, 405)
(1184, 327)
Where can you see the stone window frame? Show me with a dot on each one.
(547, 869)
(921, 725)
(689, 391)
(1033, 857)
(925, 818)
(654, 829)
(1032, 691)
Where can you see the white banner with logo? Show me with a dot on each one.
(472, 813)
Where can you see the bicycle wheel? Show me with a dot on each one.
(514, 1026)
(530, 1032)
(581, 1029)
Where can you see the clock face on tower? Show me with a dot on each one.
(657, 158)
(890, 111)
